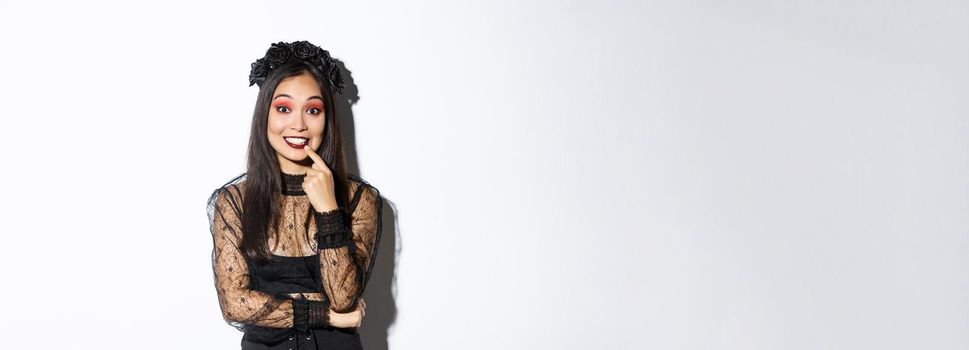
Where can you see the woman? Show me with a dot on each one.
(295, 236)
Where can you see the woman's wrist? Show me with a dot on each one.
(328, 209)
(309, 313)
(336, 319)
(327, 206)
(343, 320)
(332, 230)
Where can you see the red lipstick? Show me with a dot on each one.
(296, 145)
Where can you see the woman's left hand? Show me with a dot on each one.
(318, 183)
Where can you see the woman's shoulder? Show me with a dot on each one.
(357, 185)
(355, 181)
(234, 187)
(360, 190)
(237, 182)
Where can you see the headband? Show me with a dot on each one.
(297, 52)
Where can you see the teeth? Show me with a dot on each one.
(296, 140)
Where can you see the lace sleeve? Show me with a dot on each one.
(241, 305)
(347, 250)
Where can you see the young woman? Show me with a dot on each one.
(294, 238)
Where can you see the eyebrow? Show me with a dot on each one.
(316, 97)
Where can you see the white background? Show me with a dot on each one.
(558, 175)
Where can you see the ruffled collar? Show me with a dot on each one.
(293, 184)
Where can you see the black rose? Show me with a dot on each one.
(303, 49)
(257, 72)
(339, 83)
(324, 57)
(336, 78)
(278, 53)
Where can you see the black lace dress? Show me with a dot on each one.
(282, 304)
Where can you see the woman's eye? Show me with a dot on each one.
(282, 109)
(314, 111)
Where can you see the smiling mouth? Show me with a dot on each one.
(295, 142)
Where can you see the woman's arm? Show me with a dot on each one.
(347, 249)
(241, 305)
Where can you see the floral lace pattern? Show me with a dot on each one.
(344, 248)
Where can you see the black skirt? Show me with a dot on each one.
(319, 339)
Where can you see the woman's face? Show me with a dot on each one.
(295, 118)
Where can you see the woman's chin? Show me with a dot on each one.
(295, 156)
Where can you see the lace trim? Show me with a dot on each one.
(309, 314)
(331, 229)
(293, 184)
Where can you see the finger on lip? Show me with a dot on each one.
(315, 157)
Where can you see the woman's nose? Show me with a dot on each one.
(298, 123)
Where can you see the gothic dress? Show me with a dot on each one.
(319, 261)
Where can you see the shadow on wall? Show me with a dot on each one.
(379, 295)
(381, 288)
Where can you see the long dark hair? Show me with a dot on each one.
(263, 180)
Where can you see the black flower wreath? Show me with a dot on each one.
(297, 52)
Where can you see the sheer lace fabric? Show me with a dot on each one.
(319, 260)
